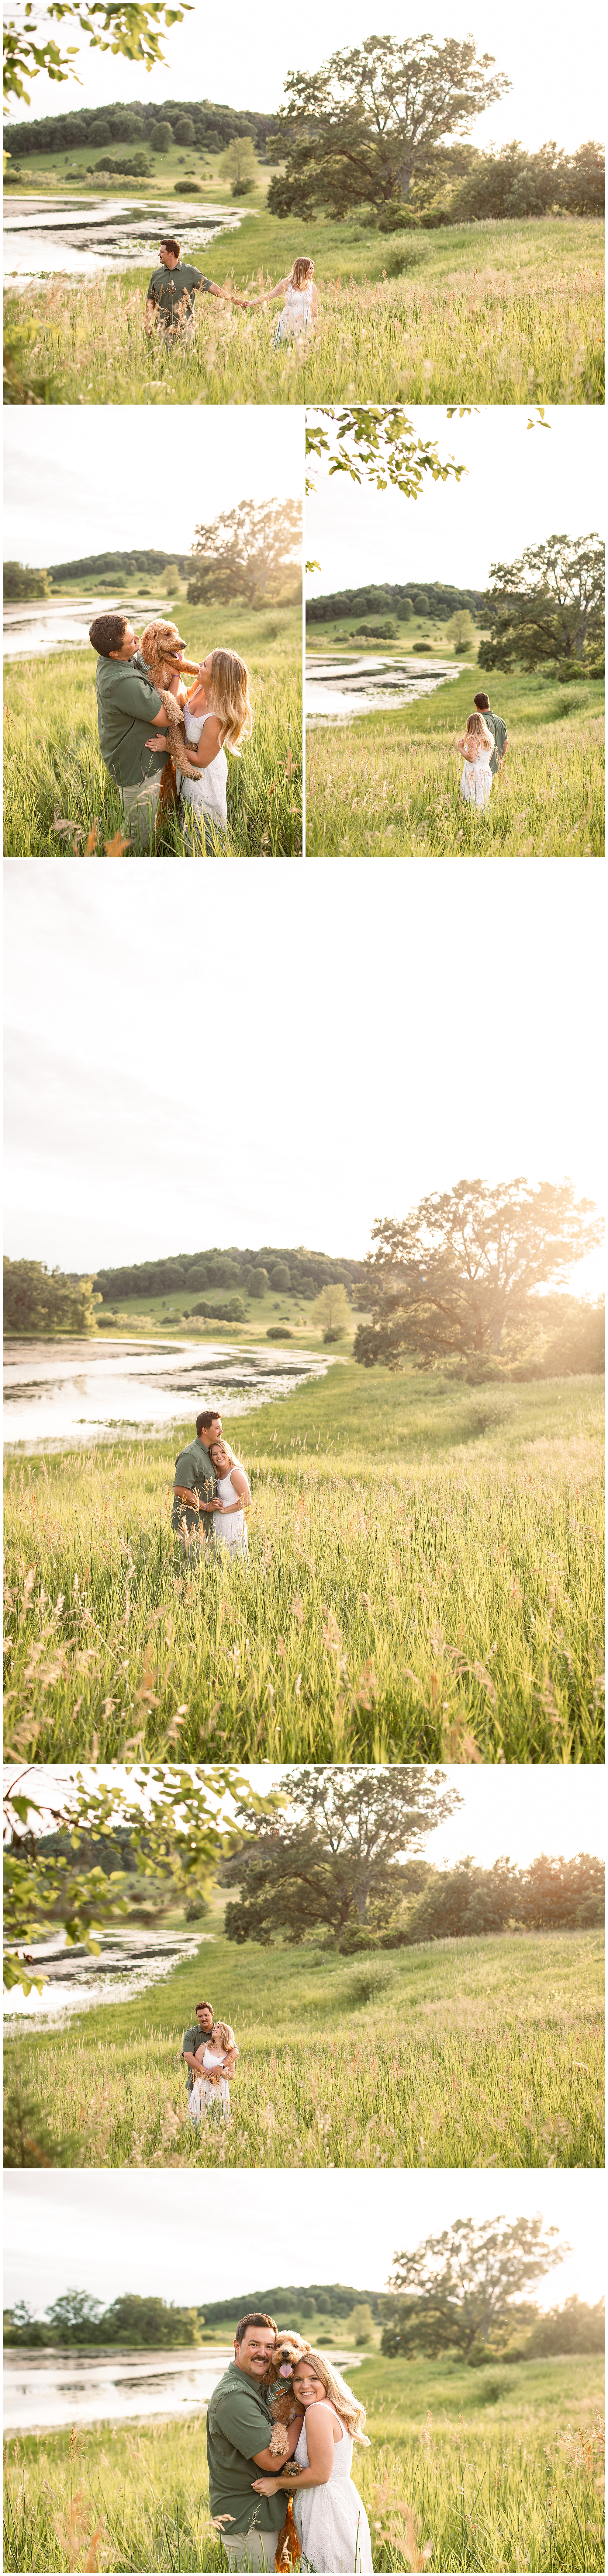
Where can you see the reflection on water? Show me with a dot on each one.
(89, 236)
(72, 1394)
(43, 2389)
(129, 1961)
(39, 626)
(339, 687)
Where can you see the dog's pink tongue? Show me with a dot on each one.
(285, 2370)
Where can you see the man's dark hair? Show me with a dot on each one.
(204, 1421)
(205, 2008)
(107, 633)
(481, 702)
(170, 244)
(254, 2318)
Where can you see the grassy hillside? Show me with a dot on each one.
(466, 2052)
(389, 782)
(495, 2469)
(53, 697)
(424, 1582)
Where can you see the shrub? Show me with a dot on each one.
(187, 188)
(278, 1333)
(161, 137)
(221, 1310)
(279, 1277)
(257, 1283)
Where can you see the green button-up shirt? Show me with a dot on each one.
(170, 287)
(126, 704)
(499, 731)
(194, 1468)
(239, 2423)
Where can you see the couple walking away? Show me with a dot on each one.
(211, 1494)
(210, 2053)
(216, 716)
(170, 314)
(258, 2460)
(484, 745)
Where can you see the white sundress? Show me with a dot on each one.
(230, 1534)
(207, 793)
(332, 2520)
(296, 317)
(476, 781)
(208, 2097)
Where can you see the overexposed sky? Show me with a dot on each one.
(188, 2237)
(521, 485)
(243, 61)
(135, 479)
(519, 1810)
(377, 1035)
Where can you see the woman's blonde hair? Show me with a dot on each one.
(225, 2032)
(347, 2407)
(228, 697)
(302, 268)
(476, 724)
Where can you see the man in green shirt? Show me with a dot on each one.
(127, 706)
(195, 1487)
(239, 2425)
(496, 727)
(200, 2029)
(171, 293)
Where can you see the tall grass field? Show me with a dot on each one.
(470, 2052)
(424, 1582)
(389, 782)
(495, 2469)
(505, 312)
(53, 765)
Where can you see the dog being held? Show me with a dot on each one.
(277, 2388)
(162, 649)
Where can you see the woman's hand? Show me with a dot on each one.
(266, 2486)
(157, 743)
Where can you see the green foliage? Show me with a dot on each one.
(319, 1868)
(461, 631)
(161, 137)
(547, 607)
(517, 183)
(21, 582)
(442, 602)
(238, 164)
(358, 131)
(456, 1276)
(251, 553)
(40, 1301)
(374, 445)
(257, 1282)
(390, 782)
(279, 1277)
(119, 26)
(331, 1311)
(225, 1310)
(456, 2290)
(126, 165)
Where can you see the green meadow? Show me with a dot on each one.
(424, 1582)
(498, 2468)
(389, 782)
(53, 768)
(469, 2052)
(504, 312)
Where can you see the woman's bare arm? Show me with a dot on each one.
(239, 1480)
(320, 2445)
(212, 735)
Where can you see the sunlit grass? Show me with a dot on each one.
(497, 2469)
(444, 1602)
(376, 794)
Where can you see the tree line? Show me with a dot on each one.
(459, 1282)
(202, 122)
(252, 553)
(404, 600)
(545, 611)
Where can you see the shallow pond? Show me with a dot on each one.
(40, 626)
(129, 1962)
(339, 686)
(90, 236)
(48, 2388)
(72, 1394)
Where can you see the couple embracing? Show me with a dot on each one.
(211, 1494)
(280, 2432)
(143, 711)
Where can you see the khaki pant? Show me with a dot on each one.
(251, 2549)
(140, 805)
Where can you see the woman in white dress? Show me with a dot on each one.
(215, 2061)
(300, 307)
(217, 717)
(330, 2516)
(478, 745)
(229, 1525)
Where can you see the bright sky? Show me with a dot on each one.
(66, 495)
(520, 485)
(516, 1810)
(377, 1037)
(244, 62)
(254, 2229)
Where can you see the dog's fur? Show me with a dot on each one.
(162, 649)
(288, 2550)
(277, 2388)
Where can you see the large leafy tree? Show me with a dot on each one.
(115, 26)
(37, 1300)
(546, 607)
(457, 2290)
(318, 1866)
(371, 119)
(455, 1277)
(178, 1833)
(249, 553)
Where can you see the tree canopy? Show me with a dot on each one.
(37, 1300)
(455, 1277)
(372, 118)
(317, 1866)
(251, 553)
(115, 26)
(546, 607)
(457, 2290)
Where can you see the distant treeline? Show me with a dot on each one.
(77, 2320)
(248, 1270)
(551, 1895)
(400, 598)
(146, 562)
(210, 125)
